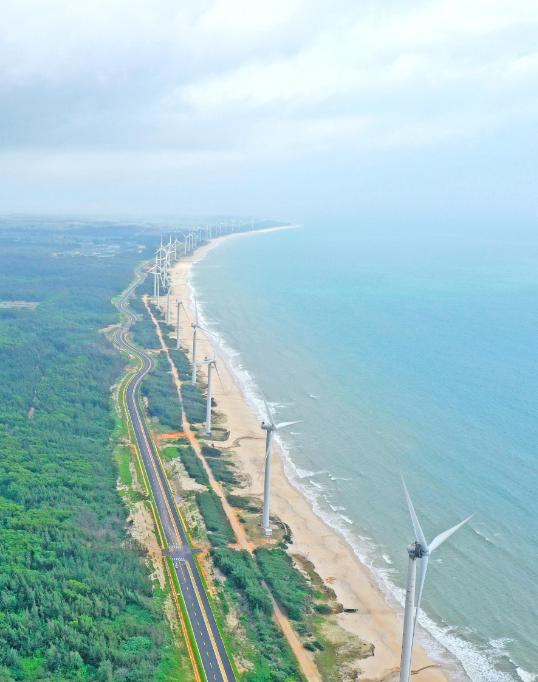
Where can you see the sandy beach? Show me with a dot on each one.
(376, 620)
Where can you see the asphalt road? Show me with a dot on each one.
(213, 654)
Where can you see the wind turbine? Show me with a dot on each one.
(210, 364)
(155, 272)
(194, 326)
(178, 326)
(168, 303)
(419, 551)
(269, 427)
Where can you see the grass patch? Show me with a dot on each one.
(169, 453)
(122, 455)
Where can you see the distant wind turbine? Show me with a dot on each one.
(168, 303)
(194, 326)
(210, 365)
(270, 427)
(178, 326)
(419, 551)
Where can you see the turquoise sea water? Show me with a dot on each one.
(405, 352)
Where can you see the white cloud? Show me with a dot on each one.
(183, 83)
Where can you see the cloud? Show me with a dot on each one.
(239, 83)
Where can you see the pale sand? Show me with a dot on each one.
(376, 620)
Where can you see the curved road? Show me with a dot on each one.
(214, 657)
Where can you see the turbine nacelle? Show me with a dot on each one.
(417, 551)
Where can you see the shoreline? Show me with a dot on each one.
(377, 618)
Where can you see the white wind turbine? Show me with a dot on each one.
(155, 272)
(269, 427)
(194, 326)
(211, 363)
(168, 301)
(419, 551)
(178, 326)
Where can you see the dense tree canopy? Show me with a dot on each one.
(76, 601)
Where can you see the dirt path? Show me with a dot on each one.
(307, 665)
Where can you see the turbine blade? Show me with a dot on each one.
(419, 535)
(186, 313)
(269, 412)
(196, 311)
(439, 539)
(218, 374)
(208, 332)
(283, 425)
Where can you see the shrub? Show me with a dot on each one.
(245, 503)
(241, 569)
(193, 465)
(223, 471)
(218, 527)
(211, 451)
(194, 403)
(274, 661)
(288, 585)
(158, 386)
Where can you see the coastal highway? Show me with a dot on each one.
(213, 655)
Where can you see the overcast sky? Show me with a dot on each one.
(388, 110)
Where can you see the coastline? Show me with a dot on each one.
(376, 619)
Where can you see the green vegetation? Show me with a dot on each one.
(144, 334)
(123, 459)
(193, 465)
(211, 451)
(193, 399)
(182, 362)
(289, 586)
(269, 651)
(240, 568)
(218, 527)
(194, 403)
(246, 503)
(76, 599)
(223, 470)
(169, 453)
(159, 388)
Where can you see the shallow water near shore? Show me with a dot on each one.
(414, 354)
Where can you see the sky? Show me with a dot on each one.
(382, 111)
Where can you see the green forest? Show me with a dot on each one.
(76, 598)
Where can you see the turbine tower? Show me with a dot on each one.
(178, 326)
(419, 551)
(194, 326)
(269, 427)
(210, 365)
(168, 303)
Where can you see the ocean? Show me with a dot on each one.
(404, 352)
